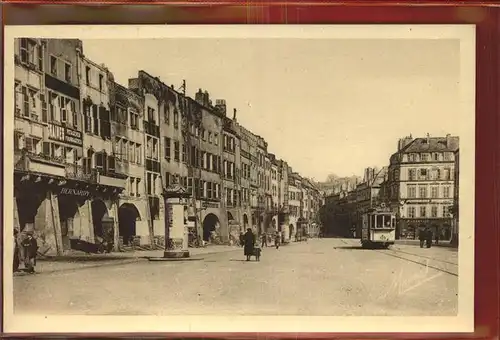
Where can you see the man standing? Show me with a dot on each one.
(264, 240)
(422, 237)
(16, 252)
(30, 250)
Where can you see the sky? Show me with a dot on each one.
(324, 106)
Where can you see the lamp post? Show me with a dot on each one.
(176, 235)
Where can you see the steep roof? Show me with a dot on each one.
(432, 144)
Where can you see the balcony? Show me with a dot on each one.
(78, 173)
(112, 179)
(39, 163)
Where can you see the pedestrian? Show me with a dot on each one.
(436, 238)
(249, 243)
(428, 237)
(277, 240)
(422, 237)
(264, 240)
(16, 252)
(30, 250)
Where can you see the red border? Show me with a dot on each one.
(487, 258)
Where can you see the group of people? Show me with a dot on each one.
(251, 247)
(425, 236)
(25, 251)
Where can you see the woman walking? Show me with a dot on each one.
(249, 243)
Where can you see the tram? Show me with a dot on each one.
(378, 228)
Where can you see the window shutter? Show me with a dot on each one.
(111, 163)
(46, 148)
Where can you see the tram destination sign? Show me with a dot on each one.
(65, 134)
(75, 192)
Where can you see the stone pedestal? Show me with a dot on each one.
(177, 241)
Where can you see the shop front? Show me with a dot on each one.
(441, 228)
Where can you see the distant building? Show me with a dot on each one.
(368, 193)
(420, 184)
(456, 205)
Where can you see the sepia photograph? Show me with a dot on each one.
(259, 178)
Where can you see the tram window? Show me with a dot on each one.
(380, 221)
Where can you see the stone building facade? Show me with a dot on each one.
(99, 155)
(421, 185)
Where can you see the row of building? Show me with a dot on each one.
(93, 158)
(420, 185)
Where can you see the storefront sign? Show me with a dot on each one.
(206, 205)
(66, 135)
(75, 192)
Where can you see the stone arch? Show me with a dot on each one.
(128, 215)
(210, 224)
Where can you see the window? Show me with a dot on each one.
(26, 101)
(184, 153)
(74, 114)
(168, 150)
(447, 156)
(446, 192)
(134, 120)
(210, 137)
(446, 211)
(209, 190)
(434, 192)
(423, 173)
(166, 114)
(176, 151)
(435, 156)
(412, 191)
(422, 192)
(425, 157)
(423, 211)
(412, 174)
(447, 174)
(63, 110)
(87, 75)
(53, 65)
(155, 148)
(216, 138)
(176, 119)
(411, 212)
(95, 120)
(138, 153)
(67, 72)
(101, 82)
(434, 211)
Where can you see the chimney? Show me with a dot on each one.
(220, 105)
(206, 99)
(404, 142)
(448, 140)
(234, 114)
(199, 97)
(428, 138)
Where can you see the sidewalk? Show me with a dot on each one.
(80, 260)
(445, 244)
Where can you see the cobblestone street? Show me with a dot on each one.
(318, 277)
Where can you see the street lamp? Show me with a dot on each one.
(176, 236)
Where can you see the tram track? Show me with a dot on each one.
(423, 260)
